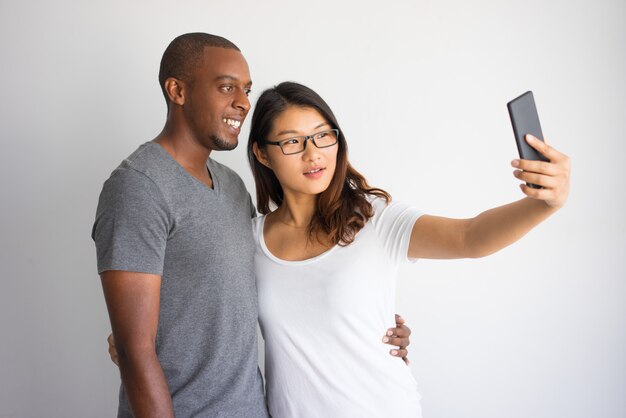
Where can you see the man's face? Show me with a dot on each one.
(217, 100)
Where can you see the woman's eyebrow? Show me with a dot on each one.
(296, 132)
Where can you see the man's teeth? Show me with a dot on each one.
(232, 122)
(313, 171)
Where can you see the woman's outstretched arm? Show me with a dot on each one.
(494, 229)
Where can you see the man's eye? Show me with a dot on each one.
(248, 91)
(227, 89)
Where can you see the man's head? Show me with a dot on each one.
(205, 80)
(185, 54)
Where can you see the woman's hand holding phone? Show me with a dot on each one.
(552, 175)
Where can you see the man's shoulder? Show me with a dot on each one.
(149, 159)
(224, 170)
(149, 163)
(139, 176)
(229, 177)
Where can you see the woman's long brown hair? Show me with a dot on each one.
(343, 208)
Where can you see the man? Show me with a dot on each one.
(175, 249)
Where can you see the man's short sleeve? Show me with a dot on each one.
(394, 223)
(132, 224)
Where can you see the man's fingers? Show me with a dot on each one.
(402, 332)
(112, 350)
(397, 341)
(399, 337)
(399, 352)
(114, 356)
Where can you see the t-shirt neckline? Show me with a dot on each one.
(209, 163)
(268, 253)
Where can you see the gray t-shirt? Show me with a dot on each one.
(154, 217)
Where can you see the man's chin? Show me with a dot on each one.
(221, 144)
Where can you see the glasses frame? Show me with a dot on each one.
(306, 139)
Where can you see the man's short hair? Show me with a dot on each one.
(185, 53)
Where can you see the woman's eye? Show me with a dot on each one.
(322, 135)
(292, 141)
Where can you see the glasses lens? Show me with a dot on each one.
(325, 139)
(293, 145)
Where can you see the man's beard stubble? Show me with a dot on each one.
(220, 144)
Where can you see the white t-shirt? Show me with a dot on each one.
(323, 320)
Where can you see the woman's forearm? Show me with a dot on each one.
(500, 227)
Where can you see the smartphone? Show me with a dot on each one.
(525, 120)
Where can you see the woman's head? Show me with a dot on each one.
(285, 111)
(301, 151)
(286, 119)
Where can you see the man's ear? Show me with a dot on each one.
(261, 155)
(176, 90)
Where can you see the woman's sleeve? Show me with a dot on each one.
(394, 222)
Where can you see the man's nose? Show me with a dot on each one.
(241, 101)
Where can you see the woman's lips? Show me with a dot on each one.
(314, 173)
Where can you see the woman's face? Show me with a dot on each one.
(310, 171)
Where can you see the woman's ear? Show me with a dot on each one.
(261, 155)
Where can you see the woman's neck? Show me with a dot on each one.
(297, 210)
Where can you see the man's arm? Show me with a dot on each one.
(133, 303)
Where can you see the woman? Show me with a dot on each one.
(327, 257)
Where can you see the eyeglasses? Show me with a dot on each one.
(297, 144)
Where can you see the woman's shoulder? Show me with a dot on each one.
(379, 205)
(388, 210)
(377, 201)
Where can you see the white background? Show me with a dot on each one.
(420, 89)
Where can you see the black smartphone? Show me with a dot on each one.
(525, 120)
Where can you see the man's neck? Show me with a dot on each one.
(182, 146)
(186, 151)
